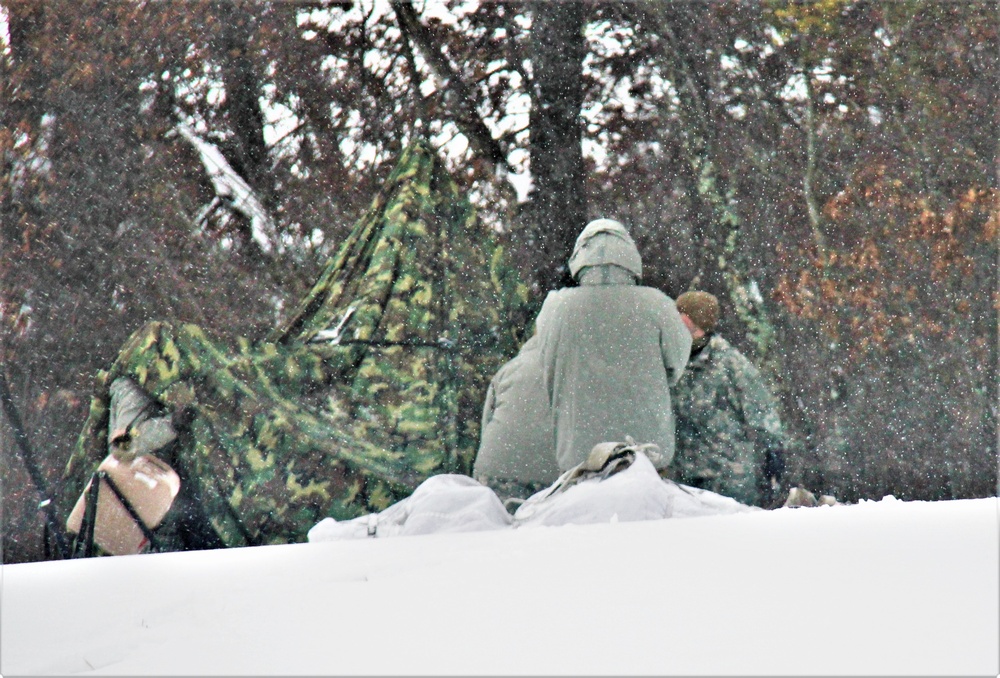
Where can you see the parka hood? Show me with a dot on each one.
(602, 242)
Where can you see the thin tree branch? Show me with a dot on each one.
(807, 179)
(467, 118)
(418, 98)
(652, 14)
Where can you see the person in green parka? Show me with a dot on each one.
(598, 369)
(516, 449)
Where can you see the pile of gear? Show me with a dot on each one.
(616, 483)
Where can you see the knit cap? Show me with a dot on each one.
(701, 307)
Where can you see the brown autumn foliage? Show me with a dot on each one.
(907, 314)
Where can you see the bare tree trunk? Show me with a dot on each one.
(558, 200)
(249, 151)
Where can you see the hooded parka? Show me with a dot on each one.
(516, 444)
(598, 369)
(610, 350)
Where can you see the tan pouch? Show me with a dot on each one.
(147, 483)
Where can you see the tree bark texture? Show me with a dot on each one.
(559, 204)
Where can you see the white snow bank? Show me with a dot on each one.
(880, 588)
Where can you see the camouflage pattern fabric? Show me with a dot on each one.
(726, 421)
(419, 298)
(374, 384)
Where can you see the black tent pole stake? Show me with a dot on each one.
(29, 461)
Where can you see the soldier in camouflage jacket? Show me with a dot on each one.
(729, 435)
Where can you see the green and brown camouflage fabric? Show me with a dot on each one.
(727, 419)
(374, 384)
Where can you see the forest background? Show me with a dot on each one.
(829, 169)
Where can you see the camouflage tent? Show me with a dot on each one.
(374, 383)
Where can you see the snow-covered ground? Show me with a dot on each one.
(878, 588)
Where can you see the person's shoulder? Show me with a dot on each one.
(654, 297)
(723, 350)
(555, 296)
(721, 345)
(555, 302)
(651, 292)
(562, 296)
(583, 295)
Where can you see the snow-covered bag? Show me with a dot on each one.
(442, 503)
(635, 493)
(618, 482)
(693, 502)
